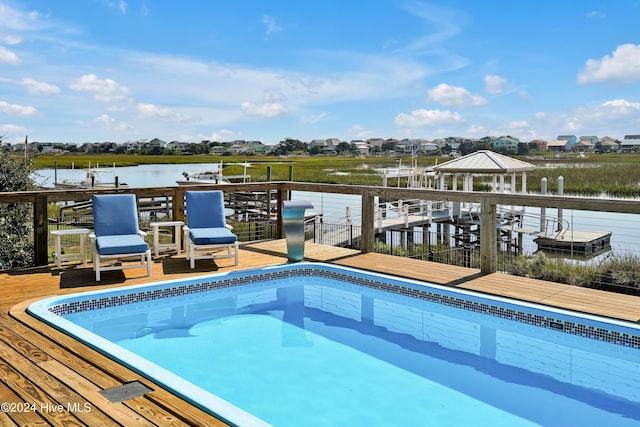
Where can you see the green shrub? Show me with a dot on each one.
(16, 243)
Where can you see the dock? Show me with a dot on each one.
(584, 243)
(406, 217)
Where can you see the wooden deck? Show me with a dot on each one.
(61, 379)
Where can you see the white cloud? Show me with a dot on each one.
(8, 57)
(314, 118)
(105, 90)
(608, 118)
(595, 14)
(265, 109)
(426, 118)
(477, 130)
(120, 5)
(622, 66)
(15, 20)
(372, 77)
(361, 132)
(39, 88)
(11, 40)
(222, 135)
(16, 110)
(150, 111)
(270, 23)
(9, 129)
(518, 124)
(454, 96)
(111, 123)
(494, 84)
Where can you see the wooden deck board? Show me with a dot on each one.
(40, 364)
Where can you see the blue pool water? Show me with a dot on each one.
(316, 345)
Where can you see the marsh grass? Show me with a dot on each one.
(611, 179)
(614, 175)
(619, 273)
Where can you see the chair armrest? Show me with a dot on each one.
(142, 233)
(228, 227)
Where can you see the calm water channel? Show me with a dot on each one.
(625, 236)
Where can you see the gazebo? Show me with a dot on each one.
(485, 162)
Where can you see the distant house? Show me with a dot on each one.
(46, 147)
(590, 138)
(559, 145)
(609, 145)
(145, 143)
(610, 139)
(392, 141)
(415, 146)
(507, 142)
(242, 146)
(583, 146)
(542, 144)
(375, 142)
(630, 143)
(326, 146)
(362, 146)
(179, 146)
(571, 138)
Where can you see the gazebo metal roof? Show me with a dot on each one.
(484, 162)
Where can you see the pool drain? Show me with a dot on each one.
(125, 392)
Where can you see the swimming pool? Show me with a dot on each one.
(313, 344)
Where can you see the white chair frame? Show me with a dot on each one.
(145, 259)
(191, 249)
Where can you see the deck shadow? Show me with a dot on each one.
(29, 271)
(83, 277)
(463, 280)
(181, 266)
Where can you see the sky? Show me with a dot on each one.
(120, 70)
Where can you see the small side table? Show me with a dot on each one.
(82, 256)
(175, 245)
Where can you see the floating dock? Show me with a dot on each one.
(584, 243)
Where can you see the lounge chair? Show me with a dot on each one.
(206, 228)
(116, 234)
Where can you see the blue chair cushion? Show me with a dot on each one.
(121, 244)
(212, 236)
(205, 209)
(115, 214)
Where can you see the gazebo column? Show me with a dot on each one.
(514, 189)
(524, 183)
(502, 183)
(466, 186)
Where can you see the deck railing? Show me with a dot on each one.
(487, 214)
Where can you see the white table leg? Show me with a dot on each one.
(83, 248)
(156, 240)
(58, 250)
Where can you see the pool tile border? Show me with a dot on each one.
(415, 291)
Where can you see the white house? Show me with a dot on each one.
(559, 145)
(630, 143)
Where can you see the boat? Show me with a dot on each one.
(203, 178)
(214, 177)
(91, 179)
